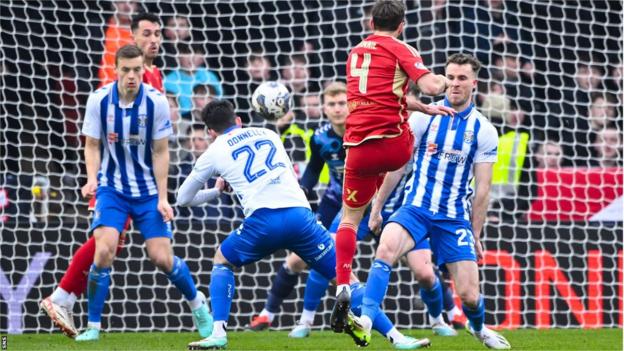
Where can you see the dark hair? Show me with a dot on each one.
(388, 14)
(219, 115)
(128, 51)
(197, 126)
(464, 59)
(143, 16)
(204, 88)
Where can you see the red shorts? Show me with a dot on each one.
(367, 163)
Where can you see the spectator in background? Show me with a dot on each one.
(178, 140)
(295, 74)
(549, 155)
(258, 69)
(192, 71)
(177, 31)
(602, 111)
(494, 104)
(310, 113)
(118, 34)
(607, 148)
(202, 95)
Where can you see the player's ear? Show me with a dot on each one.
(239, 121)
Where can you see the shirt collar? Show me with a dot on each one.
(229, 129)
(137, 100)
(463, 114)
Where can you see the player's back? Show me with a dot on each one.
(378, 70)
(255, 164)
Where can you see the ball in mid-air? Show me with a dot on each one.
(271, 100)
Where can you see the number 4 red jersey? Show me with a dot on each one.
(378, 69)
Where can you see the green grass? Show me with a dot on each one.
(554, 339)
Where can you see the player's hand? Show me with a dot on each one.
(431, 110)
(88, 190)
(220, 184)
(374, 223)
(478, 249)
(165, 210)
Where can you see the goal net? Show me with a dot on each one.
(551, 83)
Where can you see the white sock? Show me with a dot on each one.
(59, 296)
(268, 314)
(454, 312)
(307, 317)
(394, 335)
(367, 323)
(70, 301)
(219, 329)
(343, 286)
(436, 320)
(198, 301)
(96, 325)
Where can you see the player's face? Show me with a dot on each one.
(608, 144)
(463, 81)
(148, 37)
(335, 108)
(130, 74)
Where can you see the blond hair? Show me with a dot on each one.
(335, 88)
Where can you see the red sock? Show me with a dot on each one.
(75, 278)
(345, 250)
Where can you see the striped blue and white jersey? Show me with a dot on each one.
(126, 133)
(445, 152)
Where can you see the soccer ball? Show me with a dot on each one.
(271, 100)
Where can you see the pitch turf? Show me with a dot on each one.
(554, 339)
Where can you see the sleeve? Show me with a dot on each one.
(313, 169)
(92, 125)
(162, 120)
(418, 122)
(487, 145)
(205, 167)
(409, 60)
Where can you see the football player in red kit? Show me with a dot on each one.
(378, 138)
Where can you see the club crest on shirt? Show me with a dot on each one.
(468, 137)
(142, 121)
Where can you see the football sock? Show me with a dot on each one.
(71, 301)
(453, 312)
(476, 315)
(307, 317)
(75, 278)
(315, 289)
(376, 287)
(283, 284)
(381, 323)
(345, 250)
(269, 315)
(59, 296)
(99, 281)
(219, 329)
(447, 297)
(198, 301)
(221, 291)
(432, 297)
(393, 334)
(180, 276)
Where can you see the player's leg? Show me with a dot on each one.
(158, 236)
(454, 314)
(454, 248)
(431, 291)
(383, 325)
(315, 289)
(283, 284)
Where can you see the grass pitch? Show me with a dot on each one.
(554, 339)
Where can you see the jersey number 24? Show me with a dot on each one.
(251, 154)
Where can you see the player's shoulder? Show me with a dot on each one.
(153, 93)
(486, 128)
(323, 129)
(102, 91)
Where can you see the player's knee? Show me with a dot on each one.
(469, 297)
(425, 276)
(162, 260)
(295, 263)
(104, 255)
(386, 253)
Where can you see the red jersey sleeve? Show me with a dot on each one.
(409, 60)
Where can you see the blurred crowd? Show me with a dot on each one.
(551, 82)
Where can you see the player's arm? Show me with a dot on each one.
(483, 183)
(160, 164)
(432, 84)
(313, 169)
(390, 182)
(92, 161)
(190, 192)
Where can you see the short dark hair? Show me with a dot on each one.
(128, 51)
(464, 59)
(388, 14)
(219, 115)
(143, 16)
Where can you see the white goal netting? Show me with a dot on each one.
(551, 83)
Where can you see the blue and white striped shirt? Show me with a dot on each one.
(127, 133)
(445, 151)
